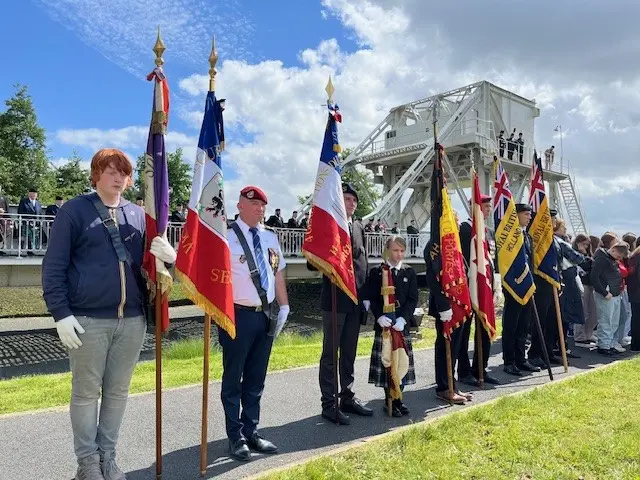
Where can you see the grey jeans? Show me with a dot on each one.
(105, 361)
(608, 320)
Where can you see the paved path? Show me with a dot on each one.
(39, 446)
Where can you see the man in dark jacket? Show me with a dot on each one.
(293, 221)
(30, 207)
(607, 285)
(350, 316)
(466, 373)
(412, 234)
(275, 221)
(97, 303)
(52, 210)
(501, 143)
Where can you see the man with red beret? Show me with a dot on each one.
(466, 373)
(257, 270)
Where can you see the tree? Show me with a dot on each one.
(362, 181)
(23, 159)
(179, 179)
(71, 179)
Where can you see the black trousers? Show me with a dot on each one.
(548, 321)
(442, 378)
(635, 326)
(245, 361)
(515, 327)
(464, 365)
(347, 339)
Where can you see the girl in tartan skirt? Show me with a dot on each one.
(404, 292)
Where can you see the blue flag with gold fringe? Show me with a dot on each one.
(512, 260)
(541, 227)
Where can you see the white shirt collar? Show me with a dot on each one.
(245, 228)
(397, 267)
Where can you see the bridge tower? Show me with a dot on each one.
(399, 152)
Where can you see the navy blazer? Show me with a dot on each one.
(26, 208)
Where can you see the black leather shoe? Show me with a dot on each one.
(395, 411)
(553, 360)
(330, 415)
(259, 444)
(570, 354)
(528, 367)
(469, 380)
(353, 405)
(240, 450)
(402, 407)
(512, 370)
(491, 380)
(607, 352)
(538, 362)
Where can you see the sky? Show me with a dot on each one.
(85, 63)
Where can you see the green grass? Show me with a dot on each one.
(28, 302)
(585, 428)
(181, 365)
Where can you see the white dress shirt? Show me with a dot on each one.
(244, 291)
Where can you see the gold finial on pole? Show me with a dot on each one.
(213, 59)
(159, 49)
(330, 90)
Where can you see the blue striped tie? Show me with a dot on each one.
(264, 278)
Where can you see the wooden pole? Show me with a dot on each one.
(205, 394)
(563, 347)
(158, 308)
(545, 354)
(478, 352)
(334, 335)
(449, 370)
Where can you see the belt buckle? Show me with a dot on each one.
(259, 308)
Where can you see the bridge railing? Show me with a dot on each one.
(29, 235)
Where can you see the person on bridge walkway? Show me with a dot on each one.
(405, 292)
(97, 302)
(467, 373)
(245, 359)
(350, 317)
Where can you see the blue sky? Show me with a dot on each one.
(85, 62)
(75, 86)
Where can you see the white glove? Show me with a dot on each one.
(497, 282)
(366, 304)
(67, 331)
(283, 313)
(446, 315)
(400, 324)
(162, 250)
(384, 322)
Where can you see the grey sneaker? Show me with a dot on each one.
(89, 468)
(110, 469)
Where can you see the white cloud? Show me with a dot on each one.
(401, 56)
(123, 30)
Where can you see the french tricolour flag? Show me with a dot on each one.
(204, 260)
(327, 243)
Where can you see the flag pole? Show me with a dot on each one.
(479, 351)
(213, 59)
(334, 302)
(563, 347)
(545, 354)
(158, 49)
(479, 251)
(438, 164)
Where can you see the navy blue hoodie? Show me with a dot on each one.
(81, 274)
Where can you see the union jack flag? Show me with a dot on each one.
(541, 227)
(502, 196)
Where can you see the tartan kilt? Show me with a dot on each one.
(378, 374)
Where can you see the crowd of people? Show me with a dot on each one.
(100, 314)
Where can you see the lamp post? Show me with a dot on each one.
(558, 129)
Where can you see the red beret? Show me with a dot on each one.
(485, 198)
(252, 193)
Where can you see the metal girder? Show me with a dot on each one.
(572, 205)
(424, 158)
